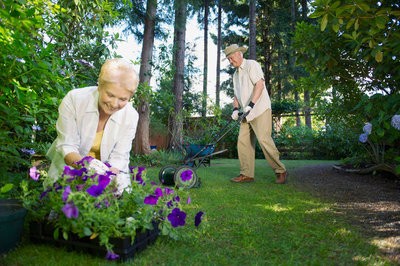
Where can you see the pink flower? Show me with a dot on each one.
(33, 173)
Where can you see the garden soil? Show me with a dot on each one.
(370, 202)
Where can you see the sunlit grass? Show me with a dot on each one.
(257, 223)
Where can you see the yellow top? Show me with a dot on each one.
(95, 150)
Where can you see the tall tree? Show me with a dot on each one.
(266, 45)
(307, 98)
(205, 63)
(176, 125)
(142, 145)
(252, 30)
(292, 62)
(219, 41)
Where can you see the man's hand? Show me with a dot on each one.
(247, 109)
(98, 166)
(235, 115)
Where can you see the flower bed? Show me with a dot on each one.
(85, 204)
(40, 232)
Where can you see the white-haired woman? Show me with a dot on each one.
(98, 121)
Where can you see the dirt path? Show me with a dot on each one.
(371, 202)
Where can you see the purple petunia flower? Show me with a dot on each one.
(44, 193)
(158, 192)
(177, 199)
(186, 175)
(177, 217)
(168, 191)
(95, 190)
(189, 200)
(66, 193)
(151, 200)
(367, 128)
(72, 171)
(79, 187)
(169, 204)
(138, 179)
(33, 173)
(70, 210)
(85, 160)
(141, 169)
(395, 122)
(104, 180)
(197, 218)
(111, 255)
(106, 203)
(57, 186)
(132, 169)
(363, 138)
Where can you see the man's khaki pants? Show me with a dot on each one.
(260, 128)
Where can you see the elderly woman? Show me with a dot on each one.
(99, 122)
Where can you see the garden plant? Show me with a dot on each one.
(87, 203)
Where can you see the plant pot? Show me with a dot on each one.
(41, 232)
(12, 217)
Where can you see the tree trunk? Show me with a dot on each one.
(267, 50)
(142, 145)
(205, 64)
(176, 125)
(219, 37)
(307, 108)
(252, 30)
(292, 62)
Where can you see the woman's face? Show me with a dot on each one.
(113, 97)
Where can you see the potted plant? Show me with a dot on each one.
(12, 216)
(83, 204)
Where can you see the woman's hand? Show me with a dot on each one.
(114, 170)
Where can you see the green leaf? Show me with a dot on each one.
(379, 56)
(380, 132)
(371, 43)
(65, 235)
(316, 14)
(364, 7)
(335, 27)
(324, 22)
(87, 231)
(350, 23)
(335, 5)
(356, 24)
(56, 234)
(6, 188)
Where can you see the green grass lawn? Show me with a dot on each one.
(257, 223)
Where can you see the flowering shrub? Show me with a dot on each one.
(86, 203)
(383, 151)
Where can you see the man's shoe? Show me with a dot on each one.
(281, 177)
(242, 179)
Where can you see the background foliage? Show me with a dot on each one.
(343, 55)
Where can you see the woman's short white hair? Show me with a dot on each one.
(117, 67)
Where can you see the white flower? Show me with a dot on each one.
(396, 122)
(367, 128)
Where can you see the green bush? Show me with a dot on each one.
(334, 142)
(41, 60)
(294, 142)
